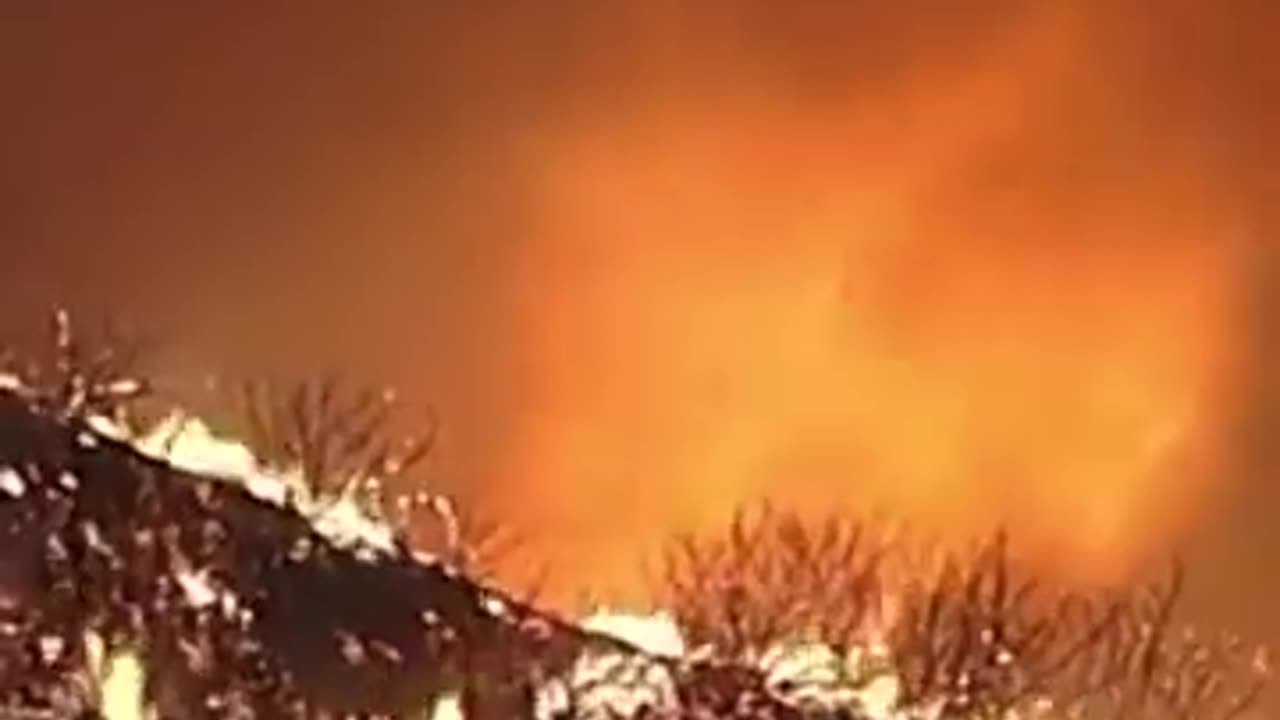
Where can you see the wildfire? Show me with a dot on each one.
(919, 301)
(655, 671)
(602, 685)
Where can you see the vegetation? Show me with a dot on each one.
(967, 635)
(243, 609)
(80, 374)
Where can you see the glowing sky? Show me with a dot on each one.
(994, 263)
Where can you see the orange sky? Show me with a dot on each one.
(970, 264)
(730, 297)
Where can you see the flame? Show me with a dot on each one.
(838, 306)
(802, 673)
(188, 442)
(120, 677)
(656, 633)
(122, 688)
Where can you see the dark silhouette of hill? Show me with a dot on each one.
(99, 538)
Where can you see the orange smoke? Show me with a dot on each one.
(981, 294)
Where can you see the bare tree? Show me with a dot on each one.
(334, 436)
(772, 577)
(480, 543)
(979, 637)
(1161, 667)
(966, 634)
(80, 374)
(341, 440)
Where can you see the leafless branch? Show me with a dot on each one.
(75, 373)
(982, 637)
(772, 576)
(341, 440)
(1161, 667)
(332, 435)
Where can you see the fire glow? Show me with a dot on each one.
(735, 299)
(607, 685)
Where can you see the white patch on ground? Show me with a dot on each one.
(190, 444)
(657, 634)
(93, 537)
(879, 697)
(801, 673)
(608, 685)
(123, 679)
(813, 675)
(447, 707)
(494, 606)
(51, 647)
(11, 483)
(344, 523)
(107, 427)
(809, 674)
(196, 589)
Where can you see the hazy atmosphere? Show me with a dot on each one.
(959, 263)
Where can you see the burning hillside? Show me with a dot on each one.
(170, 573)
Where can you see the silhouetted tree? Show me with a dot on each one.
(980, 637)
(341, 440)
(101, 542)
(74, 373)
(771, 576)
(965, 635)
(1154, 665)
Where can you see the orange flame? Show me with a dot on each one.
(958, 306)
